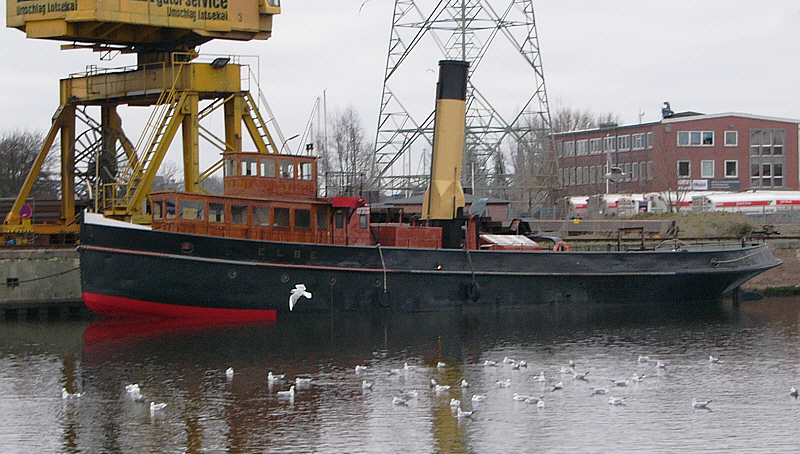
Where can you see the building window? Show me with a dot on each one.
(623, 143)
(731, 169)
(592, 175)
(767, 142)
(609, 143)
(695, 138)
(595, 146)
(731, 138)
(684, 169)
(579, 177)
(635, 171)
(582, 148)
(559, 149)
(649, 140)
(642, 171)
(638, 141)
(569, 149)
(572, 176)
(706, 169)
(627, 171)
(649, 170)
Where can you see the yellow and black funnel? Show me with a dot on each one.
(444, 196)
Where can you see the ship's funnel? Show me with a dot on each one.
(445, 196)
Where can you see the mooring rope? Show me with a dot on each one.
(383, 264)
(48, 276)
(471, 266)
(715, 262)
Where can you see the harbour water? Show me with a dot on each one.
(208, 411)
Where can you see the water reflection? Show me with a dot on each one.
(183, 364)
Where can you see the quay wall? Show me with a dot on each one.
(39, 278)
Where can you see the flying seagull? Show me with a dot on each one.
(298, 291)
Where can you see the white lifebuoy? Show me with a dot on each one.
(561, 246)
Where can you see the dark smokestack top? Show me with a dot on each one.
(452, 80)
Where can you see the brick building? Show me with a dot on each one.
(717, 152)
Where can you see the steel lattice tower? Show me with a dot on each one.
(469, 30)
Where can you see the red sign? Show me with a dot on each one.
(26, 211)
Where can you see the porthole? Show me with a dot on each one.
(187, 247)
(284, 278)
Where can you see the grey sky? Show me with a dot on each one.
(604, 56)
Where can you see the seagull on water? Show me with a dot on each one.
(478, 397)
(134, 387)
(441, 388)
(287, 394)
(523, 363)
(638, 378)
(433, 383)
(440, 365)
(298, 291)
(533, 400)
(360, 368)
(566, 370)
(616, 400)
(599, 391)
(793, 392)
(154, 407)
(464, 384)
(559, 385)
(660, 365)
(643, 359)
(713, 359)
(623, 382)
(490, 363)
(409, 368)
(700, 403)
(540, 403)
(461, 414)
(580, 376)
(229, 373)
(520, 397)
(571, 363)
(366, 385)
(541, 377)
(398, 401)
(411, 394)
(68, 395)
(272, 378)
(504, 383)
(455, 403)
(508, 360)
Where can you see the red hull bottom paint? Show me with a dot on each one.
(115, 306)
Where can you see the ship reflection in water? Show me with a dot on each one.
(183, 364)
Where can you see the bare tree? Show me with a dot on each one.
(566, 119)
(347, 161)
(18, 151)
(168, 178)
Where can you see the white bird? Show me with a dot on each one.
(411, 394)
(515, 366)
(464, 384)
(793, 392)
(638, 378)
(566, 370)
(287, 394)
(478, 397)
(398, 401)
(298, 291)
(455, 403)
(504, 383)
(541, 377)
(460, 414)
(68, 395)
(508, 360)
(599, 391)
(409, 368)
(643, 359)
(229, 373)
(700, 404)
(275, 378)
(154, 407)
(394, 372)
(571, 363)
(580, 376)
(366, 385)
(713, 359)
(520, 397)
(660, 365)
(623, 382)
(302, 383)
(523, 363)
(490, 363)
(540, 404)
(136, 395)
(433, 383)
(132, 387)
(440, 365)
(533, 400)
(616, 400)
(559, 385)
(441, 388)
(360, 368)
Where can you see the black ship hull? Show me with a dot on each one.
(141, 272)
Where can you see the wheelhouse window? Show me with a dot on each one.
(230, 167)
(192, 210)
(239, 214)
(170, 209)
(362, 221)
(302, 219)
(158, 209)
(261, 216)
(306, 171)
(684, 169)
(268, 167)
(216, 212)
(282, 219)
(249, 167)
(339, 220)
(287, 170)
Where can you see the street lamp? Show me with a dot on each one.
(290, 138)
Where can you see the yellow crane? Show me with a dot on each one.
(168, 77)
